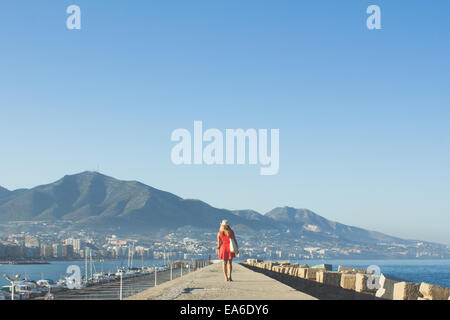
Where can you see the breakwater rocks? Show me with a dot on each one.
(347, 283)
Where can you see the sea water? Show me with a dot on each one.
(57, 269)
(430, 271)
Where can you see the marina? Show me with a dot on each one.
(110, 290)
(96, 285)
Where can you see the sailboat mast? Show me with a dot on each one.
(85, 265)
(90, 260)
(128, 258)
(132, 255)
(128, 261)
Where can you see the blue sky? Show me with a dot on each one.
(363, 115)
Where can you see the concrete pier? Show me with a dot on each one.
(209, 284)
(347, 283)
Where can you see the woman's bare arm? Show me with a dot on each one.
(219, 242)
(232, 235)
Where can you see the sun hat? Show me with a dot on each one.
(224, 223)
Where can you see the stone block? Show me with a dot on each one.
(386, 290)
(292, 271)
(302, 272)
(319, 276)
(361, 284)
(433, 292)
(328, 277)
(406, 291)
(311, 273)
(252, 261)
(348, 281)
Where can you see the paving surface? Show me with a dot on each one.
(209, 284)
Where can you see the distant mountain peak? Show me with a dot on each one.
(5, 194)
(289, 208)
(3, 190)
(290, 212)
(93, 200)
(87, 174)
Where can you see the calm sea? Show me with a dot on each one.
(430, 271)
(57, 269)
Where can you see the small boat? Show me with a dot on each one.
(50, 285)
(24, 290)
(101, 277)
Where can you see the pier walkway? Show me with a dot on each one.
(209, 284)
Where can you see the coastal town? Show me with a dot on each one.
(54, 242)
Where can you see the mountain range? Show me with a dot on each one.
(99, 202)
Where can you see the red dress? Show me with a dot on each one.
(224, 251)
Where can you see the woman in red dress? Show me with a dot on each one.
(224, 237)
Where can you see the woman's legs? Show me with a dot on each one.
(230, 269)
(224, 266)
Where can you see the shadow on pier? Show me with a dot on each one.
(318, 290)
